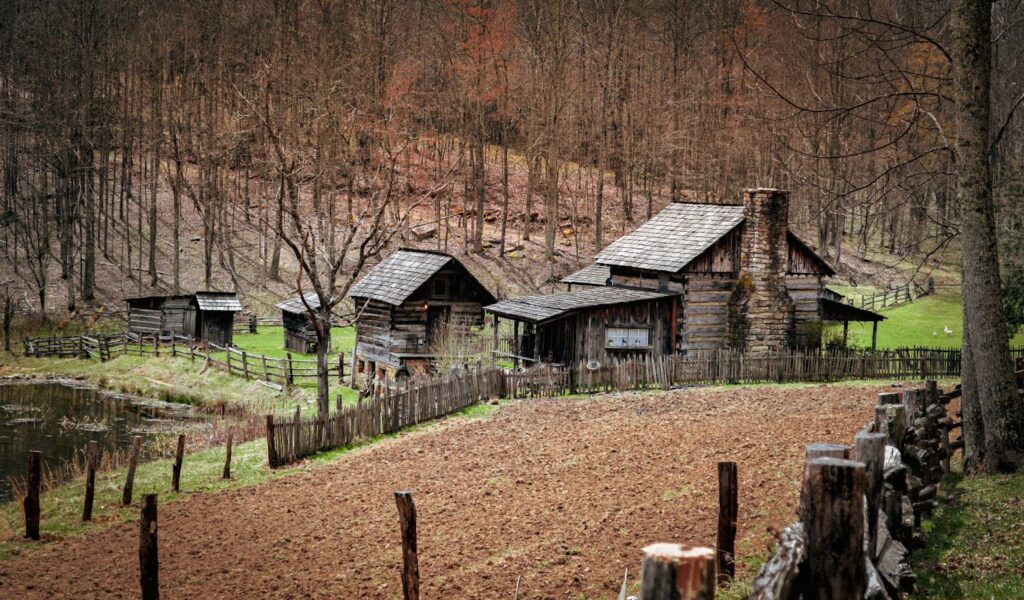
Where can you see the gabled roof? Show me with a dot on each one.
(295, 305)
(793, 238)
(537, 309)
(673, 238)
(593, 274)
(226, 301)
(398, 276)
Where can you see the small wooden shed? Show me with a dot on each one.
(215, 316)
(207, 316)
(401, 306)
(594, 325)
(299, 333)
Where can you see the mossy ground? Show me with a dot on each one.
(975, 540)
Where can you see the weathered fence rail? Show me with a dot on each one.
(898, 295)
(284, 371)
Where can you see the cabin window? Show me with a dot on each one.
(440, 287)
(628, 337)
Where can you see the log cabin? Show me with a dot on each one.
(729, 277)
(207, 316)
(402, 307)
(745, 281)
(299, 333)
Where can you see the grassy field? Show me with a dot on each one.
(269, 341)
(975, 547)
(918, 323)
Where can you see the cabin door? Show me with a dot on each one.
(437, 320)
(189, 320)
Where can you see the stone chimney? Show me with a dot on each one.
(761, 309)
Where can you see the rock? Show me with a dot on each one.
(424, 232)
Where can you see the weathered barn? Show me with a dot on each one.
(207, 316)
(299, 333)
(402, 306)
(746, 282)
(591, 325)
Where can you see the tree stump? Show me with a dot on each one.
(677, 572)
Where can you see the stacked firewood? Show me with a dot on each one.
(900, 459)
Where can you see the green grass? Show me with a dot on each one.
(269, 340)
(916, 324)
(201, 473)
(976, 542)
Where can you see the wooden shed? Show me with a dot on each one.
(148, 315)
(594, 325)
(207, 316)
(299, 333)
(401, 306)
(215, 316)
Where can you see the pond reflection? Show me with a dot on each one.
(59, 419)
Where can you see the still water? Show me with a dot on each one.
(60, 419)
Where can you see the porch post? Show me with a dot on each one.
(874, 335)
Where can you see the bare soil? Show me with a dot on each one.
(562, 493)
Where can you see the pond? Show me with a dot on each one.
(59, 419)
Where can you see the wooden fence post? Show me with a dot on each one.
(833, 513)
(176, 469)
(677, 572)
(92, 457)
(813, 451)
(149, 564)
(31, 504)
(891, 419)
(271, 451)
(133, 461)
(410, 559)
(870, 448)
(728, 509)
(245, 365)
(289, 376)
(227, 458)
(341, 368)
(296, 433)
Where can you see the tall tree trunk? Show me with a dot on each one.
(1001, 409)
(973, 424)
(504, 189)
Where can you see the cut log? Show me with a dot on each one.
(833, 513)
(677, 572)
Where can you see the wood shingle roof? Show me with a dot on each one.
(537, 309)
(295, 305)
(225, 301)
(672, 238)
(399, 275)
(593, 274)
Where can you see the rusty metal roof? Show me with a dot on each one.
(672, 238)
(226, 301)
(295, 305)
(594, 274)
(399, 275)
(537, 309)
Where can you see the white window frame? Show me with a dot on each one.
(627, 338)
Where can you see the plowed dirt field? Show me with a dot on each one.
(562, 493)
